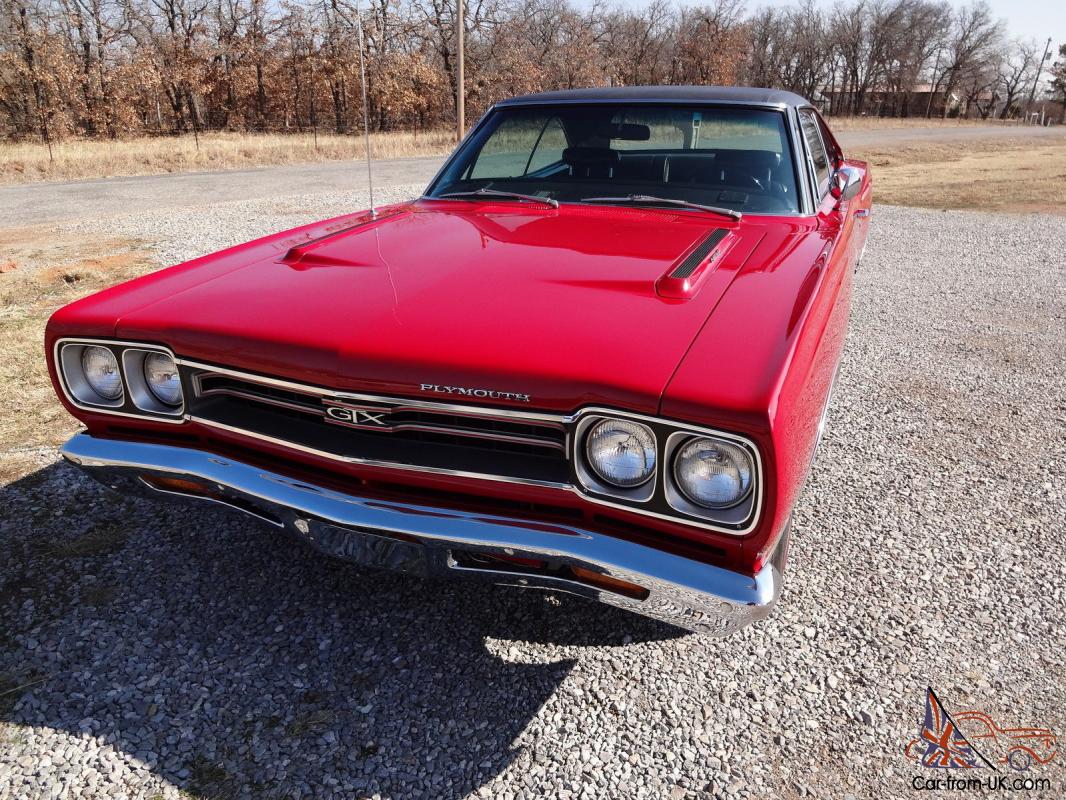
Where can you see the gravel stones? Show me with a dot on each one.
(220, 659)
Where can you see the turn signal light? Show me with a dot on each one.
(165, 483)
(608, 583)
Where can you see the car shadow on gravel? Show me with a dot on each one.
(195, 645)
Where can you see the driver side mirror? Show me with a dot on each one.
(846, 183)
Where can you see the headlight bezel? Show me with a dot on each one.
(141, 392)
(70, 364)
(591, 477)
(132, 402)
(676, 494)
(662, 498)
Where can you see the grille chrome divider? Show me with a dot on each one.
(315, 409)
(368, 462)
(422, 405)
(258, 398)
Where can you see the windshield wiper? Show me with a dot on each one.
(528, 198)
(647, 199)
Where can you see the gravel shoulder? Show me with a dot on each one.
(149, 650)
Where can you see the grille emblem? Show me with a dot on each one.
(356, 417)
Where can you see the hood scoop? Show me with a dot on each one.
(683, 279)
(314, 252)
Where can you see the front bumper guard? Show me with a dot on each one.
(436, 542)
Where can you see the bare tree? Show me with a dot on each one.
(1016, 73)
(971, 46)
(126, 67)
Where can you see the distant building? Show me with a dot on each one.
(880, 102)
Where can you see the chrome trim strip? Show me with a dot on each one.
(471, 413)
(319, 411)
(467, 433)
(258, 398)
(428, 405)
(58, 364)
(812, 173)
(444, 430)
(425, 540)
(686, 520)
(645, 101)
(368, 462)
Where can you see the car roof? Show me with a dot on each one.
(740, 95)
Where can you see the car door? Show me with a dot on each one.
(838, 255)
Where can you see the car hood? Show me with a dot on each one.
(560, 305)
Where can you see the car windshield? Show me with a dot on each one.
(729, 157)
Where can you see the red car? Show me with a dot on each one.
(595, 356)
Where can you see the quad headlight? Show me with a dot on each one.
(667, 469)
(713, 473)
(621, 452)
(161, 374)
(120, 378)
(99, 368)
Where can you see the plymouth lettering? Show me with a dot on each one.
(491, 394)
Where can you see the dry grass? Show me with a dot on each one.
(11, 687)
(45, 271)
(83, 159)
(103, 539)
(75, 160)
(882, 123)
(311, 722)
(1013, 175)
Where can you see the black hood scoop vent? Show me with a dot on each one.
(699, 254)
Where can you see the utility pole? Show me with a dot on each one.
(1036, 78)
(460, 100)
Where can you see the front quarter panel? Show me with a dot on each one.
(765, 360)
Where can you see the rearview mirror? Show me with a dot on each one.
(846, 183)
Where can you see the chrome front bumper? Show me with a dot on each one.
(429, 541)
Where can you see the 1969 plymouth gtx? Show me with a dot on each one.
(594, 357)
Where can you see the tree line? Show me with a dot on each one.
(118, 68)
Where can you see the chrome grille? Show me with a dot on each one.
(405, 419)
(384, 430)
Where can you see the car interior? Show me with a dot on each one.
(572, 159)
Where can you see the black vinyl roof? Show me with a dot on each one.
(665, 94)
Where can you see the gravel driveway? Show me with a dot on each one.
(171, 650)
